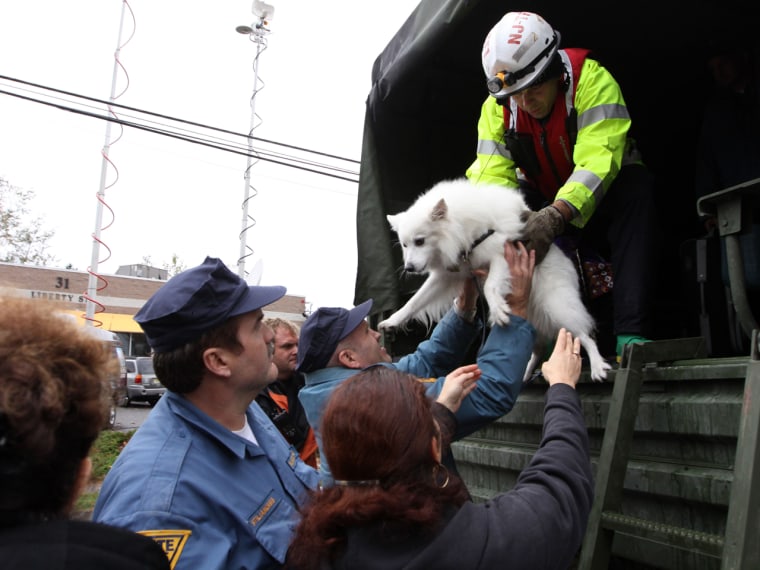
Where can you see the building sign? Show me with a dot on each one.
(57, 296)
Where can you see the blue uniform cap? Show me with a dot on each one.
(198, 300)
(322, 332)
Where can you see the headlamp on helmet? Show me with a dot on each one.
(517, 52)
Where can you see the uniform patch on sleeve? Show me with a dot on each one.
(172, 542)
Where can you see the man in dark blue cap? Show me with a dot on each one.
(208, 475)
(336, 343)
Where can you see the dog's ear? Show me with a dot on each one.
(392, 220)
(440, 210)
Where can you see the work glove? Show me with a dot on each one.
(540, 230)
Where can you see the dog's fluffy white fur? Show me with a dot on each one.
(440, 235)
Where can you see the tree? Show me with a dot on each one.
(176, 265)
(172, 268)
(22, 237)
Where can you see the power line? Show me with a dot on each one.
(188, 135)
(169, 117)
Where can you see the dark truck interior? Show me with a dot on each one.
(420, 128)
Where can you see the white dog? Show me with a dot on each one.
(455, 227)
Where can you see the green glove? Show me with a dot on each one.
(540, 230)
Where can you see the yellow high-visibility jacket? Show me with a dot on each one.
(593, 107)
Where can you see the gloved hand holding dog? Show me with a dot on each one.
(541, 228)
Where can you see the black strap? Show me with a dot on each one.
(510, 78)
(481, 239)
(476, 243)
(482, 312)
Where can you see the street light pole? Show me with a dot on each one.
(257, 33)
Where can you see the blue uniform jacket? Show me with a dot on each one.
(502, 360)
(211, 499)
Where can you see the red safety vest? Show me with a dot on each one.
(553, 141)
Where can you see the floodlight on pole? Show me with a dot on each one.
(257, 33)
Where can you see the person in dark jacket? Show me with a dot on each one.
(392, 504)
(280, 398)
(54, 398)
(728, 146)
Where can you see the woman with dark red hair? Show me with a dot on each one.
(394, 505)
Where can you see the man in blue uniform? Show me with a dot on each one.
(208, 475)
(337, 343)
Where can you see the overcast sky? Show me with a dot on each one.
(184, 59)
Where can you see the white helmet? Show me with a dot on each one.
(517, 51)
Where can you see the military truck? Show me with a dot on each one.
(674, 429)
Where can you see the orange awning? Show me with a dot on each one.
(115, 322)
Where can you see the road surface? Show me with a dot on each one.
(131, 417)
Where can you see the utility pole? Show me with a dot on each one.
(91, 301)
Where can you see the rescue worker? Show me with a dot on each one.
(556, 125)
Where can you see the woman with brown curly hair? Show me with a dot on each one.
(54, 397)
(393, 505)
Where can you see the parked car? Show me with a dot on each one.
(142, 383)
(118, 380)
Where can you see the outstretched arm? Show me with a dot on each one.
(458, 385)
(555, 491)
(564, 365)
(505, 354)
(522, 263)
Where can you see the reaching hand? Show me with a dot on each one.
(541, 229)
(468, 296)
(521, 265)
(458, 385)
(564, 365)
